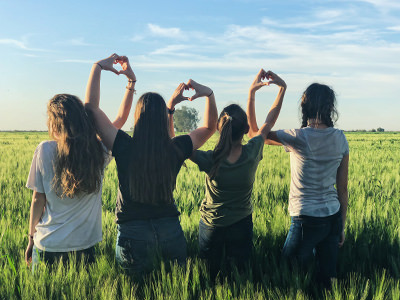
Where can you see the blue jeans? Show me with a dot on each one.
(140, 244)
(313, 236)
(235, 241)
(51, 257)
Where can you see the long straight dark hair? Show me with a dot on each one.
(78, 165)
(319, 102)
(232, 125)
(151, 176)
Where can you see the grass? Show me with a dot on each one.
(369, 262)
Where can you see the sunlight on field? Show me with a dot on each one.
(369, 263)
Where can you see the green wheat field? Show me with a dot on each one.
(369, 262)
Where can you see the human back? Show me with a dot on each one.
(315, 157)
(230, 170)
(148, 163)
(318, 199)
(66, 177)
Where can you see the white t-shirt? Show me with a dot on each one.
(67, 224)
(315, 155)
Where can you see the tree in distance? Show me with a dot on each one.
(186, 119)
(380, 129)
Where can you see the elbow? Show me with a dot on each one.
(89, 106)
(39, 199)
(212, 127)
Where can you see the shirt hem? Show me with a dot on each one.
(66, 249)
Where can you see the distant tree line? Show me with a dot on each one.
(379, 129)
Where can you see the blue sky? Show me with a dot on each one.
(354, 46)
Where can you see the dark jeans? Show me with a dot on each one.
(234, 241)
(50, 257)
(309, 236)
(141, 243)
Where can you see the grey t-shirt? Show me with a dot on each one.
(67, 224)
(315, 155)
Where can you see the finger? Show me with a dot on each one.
(195, 96)
(114, 71)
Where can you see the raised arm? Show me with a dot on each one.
(275, 108)
(251, 110)
(37, 208)
(126, 104)
(177, 97)
(343, 195)
(200, 135)
(107, 130)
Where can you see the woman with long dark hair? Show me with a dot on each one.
(147, 165)
(226, 212)
(66, 178)
(319, 157)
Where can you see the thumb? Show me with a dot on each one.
(195, 96)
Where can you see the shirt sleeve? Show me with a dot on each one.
(255, 147)
(203, 159)
(289, 138)
(345, 146)
(185, 144)
(35, 177)
(107, 155)
(121, 143)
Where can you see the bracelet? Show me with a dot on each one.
(212, 92)
(171, 111)
(99, 65)
(131, 89)
(30, 236)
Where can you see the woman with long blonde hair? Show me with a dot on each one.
(66, 178)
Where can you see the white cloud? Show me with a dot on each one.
(172, 32)
(171, 49)
(78, 42)
(384, 4)
(19, 44)
(137, 38)
(15, 43)
(394, 28)
(78, 61)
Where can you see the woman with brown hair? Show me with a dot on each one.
(147, 165)
(319, 157)
(226, 212)
(66, 178)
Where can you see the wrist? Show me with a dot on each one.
(252, 93)
(171, 111)
(97, 65)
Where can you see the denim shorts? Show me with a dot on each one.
(50, 257)
(311, 237)
(142, 243)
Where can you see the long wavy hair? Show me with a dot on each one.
(78, 164)
(151, 176)
(232, 125)
(319, 102)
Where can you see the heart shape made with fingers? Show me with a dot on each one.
(266, 79)
(189, 92)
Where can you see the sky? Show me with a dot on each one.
(48, 47)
